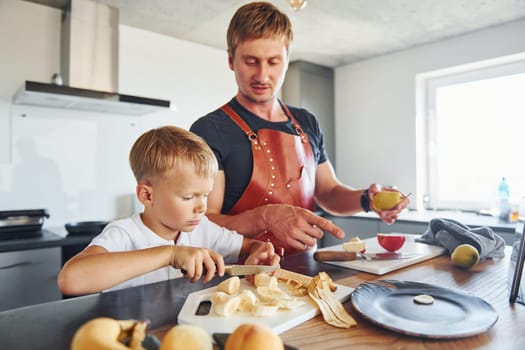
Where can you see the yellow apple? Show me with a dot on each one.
(386, 200)
(465, 256)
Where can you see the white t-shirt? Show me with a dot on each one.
(131, 234)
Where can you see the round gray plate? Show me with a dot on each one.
(453, 314)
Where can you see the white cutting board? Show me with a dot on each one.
(280, 322)
(422, 252)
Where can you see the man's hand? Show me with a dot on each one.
(297, 227)
(387, 216)
(194, 262)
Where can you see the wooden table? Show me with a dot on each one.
(52, 325)
(487, 280)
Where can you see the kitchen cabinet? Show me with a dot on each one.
(412, 222)
(360, 227)
(29, 277)
(311, 86)
(369, 227)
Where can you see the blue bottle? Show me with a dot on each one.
(504, 195)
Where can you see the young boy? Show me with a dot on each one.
(175, 170)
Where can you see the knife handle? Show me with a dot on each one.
(327, 255)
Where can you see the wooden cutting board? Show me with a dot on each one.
(280, 322)
(421, 252)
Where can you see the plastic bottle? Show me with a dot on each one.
(504, 195)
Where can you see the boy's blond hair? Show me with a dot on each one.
(258, 20)
(164, 148)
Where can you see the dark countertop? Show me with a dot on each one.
(52, 325)
(48, 239)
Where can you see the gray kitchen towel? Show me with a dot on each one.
(450, 233)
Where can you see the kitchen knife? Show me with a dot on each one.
(240, 270)
(337, 255)
(328, 255)
(237, 270)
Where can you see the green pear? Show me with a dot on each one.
(386, 200)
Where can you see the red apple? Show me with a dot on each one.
(391, 241)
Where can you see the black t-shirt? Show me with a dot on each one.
(233, 150)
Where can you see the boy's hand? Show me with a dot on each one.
(261, 253)
(196, 262)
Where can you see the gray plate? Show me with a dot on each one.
(453, 314)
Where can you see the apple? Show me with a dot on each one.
(465, 256)
(391, 241)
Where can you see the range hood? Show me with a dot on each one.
(88, 67)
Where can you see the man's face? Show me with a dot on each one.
(260, 67)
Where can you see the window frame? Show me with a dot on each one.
(426, 86)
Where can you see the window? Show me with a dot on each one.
(472, 134)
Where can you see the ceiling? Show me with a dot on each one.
(326, 32)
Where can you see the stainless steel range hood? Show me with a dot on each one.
(88, 67)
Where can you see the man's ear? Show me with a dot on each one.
(230, 59)
(144, 194)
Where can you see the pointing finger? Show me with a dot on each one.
(326, 225)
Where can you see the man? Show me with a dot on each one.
(272, 161)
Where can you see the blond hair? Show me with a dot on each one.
(164, 148)
(258, 20)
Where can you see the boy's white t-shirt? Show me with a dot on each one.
(131, 234)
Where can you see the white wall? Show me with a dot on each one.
(375, 114)
(75, 163)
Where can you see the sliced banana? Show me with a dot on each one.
(248, 300)
(262, 310)
(272, 295)
(289, 304)
(355, 245)
(220, 297)
(228, 307)
(423, 299)
(231, 285)
(265, 280)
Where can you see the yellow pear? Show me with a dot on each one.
(386, 200)
(465, 256)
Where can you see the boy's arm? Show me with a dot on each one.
(95, 269)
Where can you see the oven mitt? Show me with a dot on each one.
(450, 233)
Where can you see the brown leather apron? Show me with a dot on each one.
(283, 172)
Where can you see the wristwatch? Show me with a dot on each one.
(365, 201)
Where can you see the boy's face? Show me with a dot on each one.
(177, 202)
(260, 67)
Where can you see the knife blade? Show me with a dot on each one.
(239, 270)
(386, 256)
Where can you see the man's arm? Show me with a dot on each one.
(342, 200)
(333, 196)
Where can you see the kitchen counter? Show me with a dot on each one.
(47, 240)
(56, 237)
(467, 218)
(52, 325)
